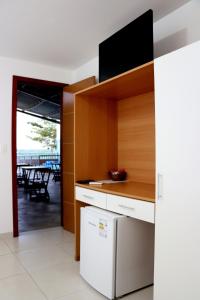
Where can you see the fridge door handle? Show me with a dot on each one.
(160, 186)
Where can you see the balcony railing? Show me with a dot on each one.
(35, 159)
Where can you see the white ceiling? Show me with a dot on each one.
(66, 33)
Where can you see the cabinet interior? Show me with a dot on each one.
(115, 128)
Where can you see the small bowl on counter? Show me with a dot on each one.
(118, 175)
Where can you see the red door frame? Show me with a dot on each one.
(16, 80)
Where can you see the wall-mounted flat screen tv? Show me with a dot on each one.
(128, 48)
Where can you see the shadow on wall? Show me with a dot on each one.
(171, 43)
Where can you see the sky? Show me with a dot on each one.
(24, 130)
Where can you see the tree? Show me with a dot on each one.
(44, 133)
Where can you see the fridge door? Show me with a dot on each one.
(97, 261)
(135, 255)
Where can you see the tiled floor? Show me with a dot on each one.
(35, 215)
(39, 265)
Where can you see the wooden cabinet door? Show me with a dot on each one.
(177, 222)
(67, 145)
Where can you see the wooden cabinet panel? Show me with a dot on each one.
(68, 187)
(68, 220)
(68, 162)
(68, 149)
(68, 101)
(136, 137)
(68, 128)
(95, 138)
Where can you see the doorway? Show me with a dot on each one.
(37, 177)
(67, 147)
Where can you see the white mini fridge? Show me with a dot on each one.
(117, 252)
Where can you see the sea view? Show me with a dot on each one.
(30, 152)
(37, 156)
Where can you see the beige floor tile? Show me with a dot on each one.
(144, 294)
(32, 240)
(24, 242)
(20, 287)
(59, 280)
(4, 236)
(59, 237)
(4, 248)
(69, 248)
(42, 258)
(9, 266)
(88, 293)
(37, 239)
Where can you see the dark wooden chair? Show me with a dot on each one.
(37, 185)
(20, 174)
(28, 176)
(56, 172)
(20, 177)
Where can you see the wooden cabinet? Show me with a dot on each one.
(115, 128)
(67, 138)
(177, 222)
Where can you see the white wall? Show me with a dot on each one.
(8, 68)
(176, 30)
(91, 68)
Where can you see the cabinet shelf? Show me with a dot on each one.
(131, 83)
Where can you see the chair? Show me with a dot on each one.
(28, 176)
(56, 171)
(20, 175)
(38, 184)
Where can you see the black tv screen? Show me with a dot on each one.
(128, 48)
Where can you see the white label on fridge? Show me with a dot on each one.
(103, 228)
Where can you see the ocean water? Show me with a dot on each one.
(29, 152)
